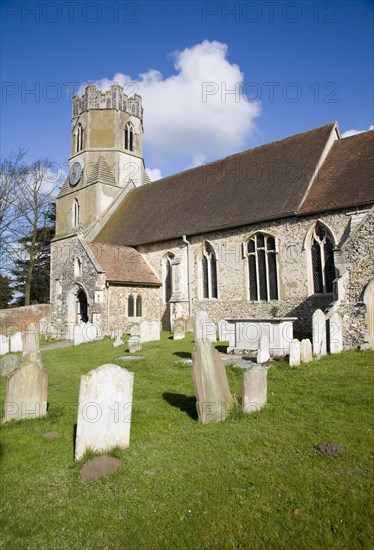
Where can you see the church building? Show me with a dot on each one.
(279, 230)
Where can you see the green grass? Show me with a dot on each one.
(254, 481)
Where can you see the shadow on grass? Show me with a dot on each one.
(74, 439)
(182, 402)
(221, 349)
(183, 354)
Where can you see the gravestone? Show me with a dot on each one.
(213, 397)
(319, 333)
(104, 411)
(190, 323)
(16, 342)
(335, 333)
(179, 330)
(306, 354)
(85, 332)
(254, 388)
(30, 339)
(118, 341)
(134, 344)
(294, 357)
(204, 327)
(26, 390)
(4, 344)
(9, 363)
(263, 352)
(149, 331)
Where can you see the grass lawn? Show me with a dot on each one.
(254, 481)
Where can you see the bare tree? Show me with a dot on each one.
(12, 175)
(37, 192)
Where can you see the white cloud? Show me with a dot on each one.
(349, 133)
(180, 123)
(154, 174)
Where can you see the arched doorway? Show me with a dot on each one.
(82, 305)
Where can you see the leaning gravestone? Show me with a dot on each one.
(306, 354)
(254, 388)
(190, 323)
(134, 344)
(179, 330)
(294, 357)
(204, 327)
(104, 412)
(26, 390)
(213, 397)
(335, 333)
(263, 352)
(9, 363)
(31, 339)
(319, 333)
(149, 331)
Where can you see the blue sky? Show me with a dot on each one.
(294, 66)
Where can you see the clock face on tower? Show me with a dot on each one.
(75, 173)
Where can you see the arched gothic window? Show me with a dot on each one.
(209, 272)
(168, 277)
(76, 220)
(138, 306)
(262, 267)
(130, 306)
(79, 143)
(129, 137)
(322, 257)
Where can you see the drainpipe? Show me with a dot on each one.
(188, 273)
(108, 311)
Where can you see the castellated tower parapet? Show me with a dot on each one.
(115, 98)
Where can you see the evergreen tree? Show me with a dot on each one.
(6, 292)
(40, 241)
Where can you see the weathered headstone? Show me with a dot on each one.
(16, 343)
(9, 363)
(149, 331)
(179, 330)
(306, 354)
(319, 333)
(213, 397)
(104, 412)
(30, 339)
(4, 344)
(204, 327)
(294, 358)
(118, 341)
(134, 344)
(26, 390)
(190, 322)
(254, 388)
(263, 352)
(85, 332)
(335, 333)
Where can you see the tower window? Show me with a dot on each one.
(76, 220)
(129, 137)
(209, 272)
(79, 143)
(262, 267)
(322, 256)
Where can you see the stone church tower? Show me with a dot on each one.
(106, 162)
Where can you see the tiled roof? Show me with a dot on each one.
(123, 264)
(266, 182)
(346, 177)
